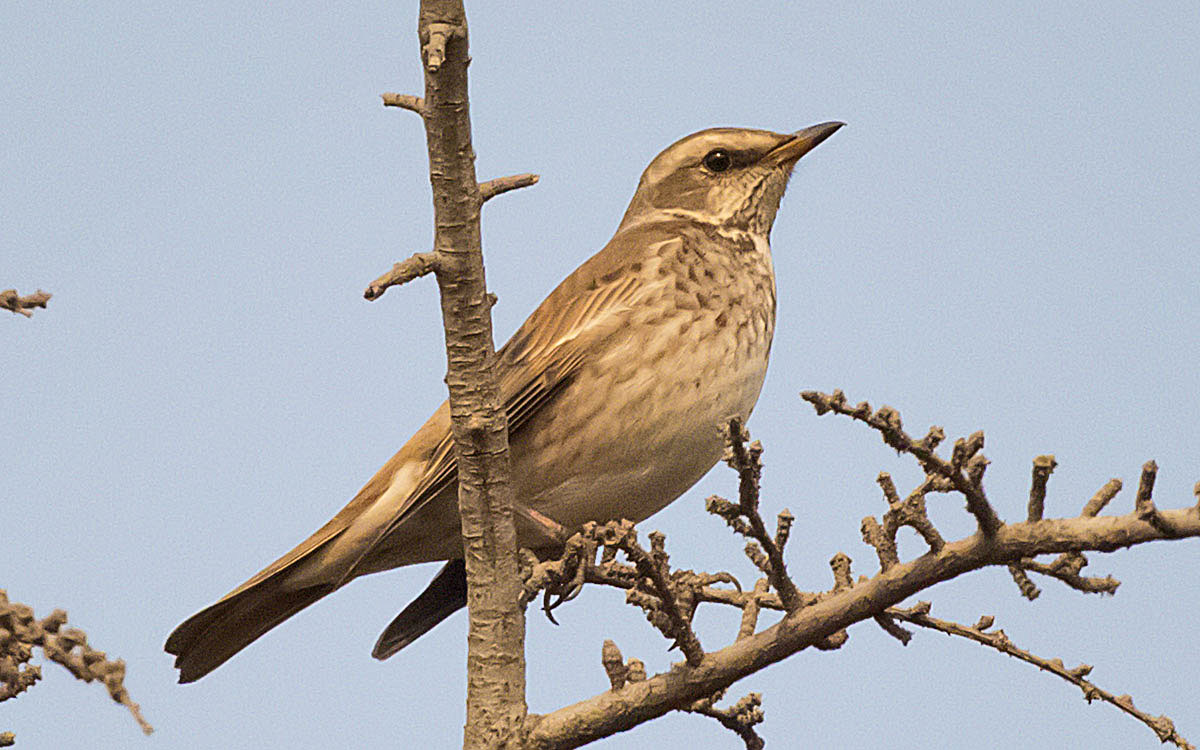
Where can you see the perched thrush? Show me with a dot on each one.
(617, 389)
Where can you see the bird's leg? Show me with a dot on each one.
(546, 531)
(577, 556)
(551, 542)
(565, 558)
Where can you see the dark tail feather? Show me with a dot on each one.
(445, 595)
(209, 638)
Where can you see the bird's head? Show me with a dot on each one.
(731, 177)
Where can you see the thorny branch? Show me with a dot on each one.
(10, 300)
(20, 633)
(819, 619)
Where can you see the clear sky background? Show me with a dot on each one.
(1003, 237)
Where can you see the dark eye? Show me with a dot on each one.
(718, 160)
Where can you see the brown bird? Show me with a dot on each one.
(616, 388)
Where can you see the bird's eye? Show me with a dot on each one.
(718, 160)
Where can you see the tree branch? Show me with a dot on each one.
(765, 551)
(20, 633)
(919, 615)
(820, 619)
(740, 718)
(615, 711)
(414, 267)
(1043, 466)
(404, 101)
(10, 300)
(495, 659)
(964, 470)
(492, 188)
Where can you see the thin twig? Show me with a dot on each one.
(680, 628)
(739, 718)
(966, 452)
(66, 646)
(1102, 498)
(911, 511)
(891, 628)
(750, 610)
(416, 266)
(1144, 502)
(404, 101)
(747, 461)
(1161, 725)
(1028, 588)
(492, 188)
(671, 607)
(1043, 466)
(1086, 584)
(614, 665)
(885, 546)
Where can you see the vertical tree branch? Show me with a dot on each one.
(496, 654)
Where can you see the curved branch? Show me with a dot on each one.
(615, 711)
(66, 646)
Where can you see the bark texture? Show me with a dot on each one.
(496, 644)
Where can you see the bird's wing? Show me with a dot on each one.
(538, 361)
(540, 358)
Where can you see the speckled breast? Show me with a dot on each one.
(645, 416)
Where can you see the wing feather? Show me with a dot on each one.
(541, 359)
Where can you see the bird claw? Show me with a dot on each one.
(547, 607)
(565, 591)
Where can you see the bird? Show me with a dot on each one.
(617, 390)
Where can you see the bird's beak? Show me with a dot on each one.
(801, 142)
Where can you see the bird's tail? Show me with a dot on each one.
(315, 568)
(207, 639)
(344, 548)
(445, 595)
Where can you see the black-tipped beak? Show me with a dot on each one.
(803, 141)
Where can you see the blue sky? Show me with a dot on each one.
(1003, 237)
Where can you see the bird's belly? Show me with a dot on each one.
(643, 423)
